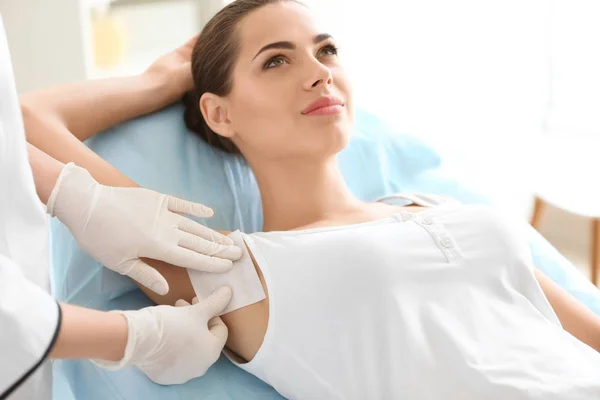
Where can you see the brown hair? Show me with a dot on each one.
(213, 59)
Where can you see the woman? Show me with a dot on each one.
(365, 300)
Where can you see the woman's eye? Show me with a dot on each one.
(279, 60)
(274, 62)
(329, 50)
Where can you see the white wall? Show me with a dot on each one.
(575, 73)
(47, 41)
(208, 8)
(469, 76)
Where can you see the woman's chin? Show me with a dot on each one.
(336, 140)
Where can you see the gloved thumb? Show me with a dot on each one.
(183, 303)
(217, 327)
(216, 302)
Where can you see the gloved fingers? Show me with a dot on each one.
(216, 302)
(181, 206)
(190, 226)
(141, 272)
(183, 303)
(187, 258)
(202, 246)
(217, 327)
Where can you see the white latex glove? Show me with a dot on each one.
(119, 225)
(172, 345)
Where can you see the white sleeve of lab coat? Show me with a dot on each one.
(29, 324)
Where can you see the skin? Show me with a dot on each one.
(293, 156)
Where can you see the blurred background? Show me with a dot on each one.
(507, 91)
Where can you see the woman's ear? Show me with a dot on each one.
(215, 112)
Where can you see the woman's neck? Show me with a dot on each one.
(296, 194)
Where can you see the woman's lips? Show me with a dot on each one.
(326, 105)
(327, 110)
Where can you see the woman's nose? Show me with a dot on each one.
(320, 76)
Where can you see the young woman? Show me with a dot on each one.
(431, 299)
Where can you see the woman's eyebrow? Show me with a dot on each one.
(291, 46)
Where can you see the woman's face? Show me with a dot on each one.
(286, 63)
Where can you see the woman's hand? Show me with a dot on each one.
(174, 69)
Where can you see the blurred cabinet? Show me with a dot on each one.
(128, 35)
(54, 42)
(48, 41)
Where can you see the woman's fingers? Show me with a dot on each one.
(187, 48)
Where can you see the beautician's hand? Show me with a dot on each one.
(172, 345)
(119, 225)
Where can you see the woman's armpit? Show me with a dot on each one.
(180, 284)
(247, 325)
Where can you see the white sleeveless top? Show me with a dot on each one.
(440, 304)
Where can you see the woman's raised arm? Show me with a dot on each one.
(58, 119)
(86, 108)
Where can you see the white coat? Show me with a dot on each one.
(29, 316)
